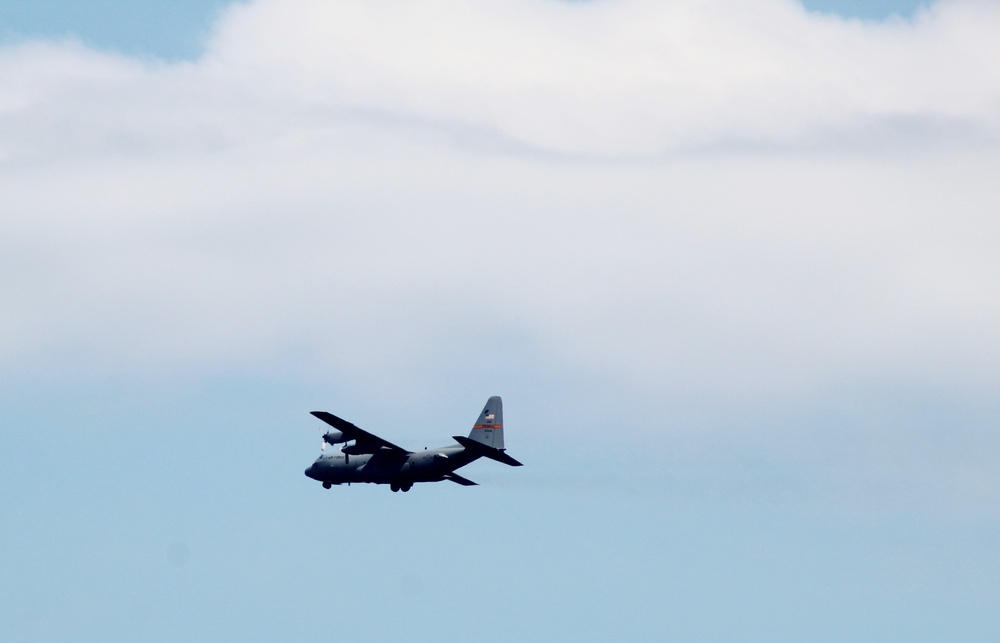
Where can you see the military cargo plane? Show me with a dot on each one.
(372, 459)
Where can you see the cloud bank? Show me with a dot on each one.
(716, 199)
(626, 78)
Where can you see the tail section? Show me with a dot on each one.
(488, 429)
(486, 439)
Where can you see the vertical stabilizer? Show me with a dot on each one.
(488, 429)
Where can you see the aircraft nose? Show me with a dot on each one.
(310, 470)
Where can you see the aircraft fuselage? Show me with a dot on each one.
(384, 467)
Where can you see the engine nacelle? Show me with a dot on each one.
(353, 449)
(335, 437)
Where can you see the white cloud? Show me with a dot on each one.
(624, 78)
(727, 199)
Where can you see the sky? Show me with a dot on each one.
(730, 263)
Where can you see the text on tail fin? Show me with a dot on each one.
(488, 429)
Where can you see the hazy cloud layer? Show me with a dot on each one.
(625, 78)
(727, 199)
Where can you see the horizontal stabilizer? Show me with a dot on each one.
(480, 449)
(465, 482)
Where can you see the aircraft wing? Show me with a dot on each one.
(365, 442)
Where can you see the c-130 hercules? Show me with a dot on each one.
(372, 459)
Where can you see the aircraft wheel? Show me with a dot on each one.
(327, 485)
(406, 486)
(394, 486)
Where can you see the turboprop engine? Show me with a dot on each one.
(335, 437)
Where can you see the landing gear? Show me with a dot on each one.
(400, 486)
(406, 486)
(394, 486)
(327, 485)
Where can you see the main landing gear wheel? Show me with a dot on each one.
(394, 486)
(327, 485)
(406, 486)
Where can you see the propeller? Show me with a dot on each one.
(330, 434)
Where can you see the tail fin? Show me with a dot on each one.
(488, 429)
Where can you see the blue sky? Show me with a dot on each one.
(733, 272)
(171, 30)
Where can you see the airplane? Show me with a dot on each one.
(372, 459)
